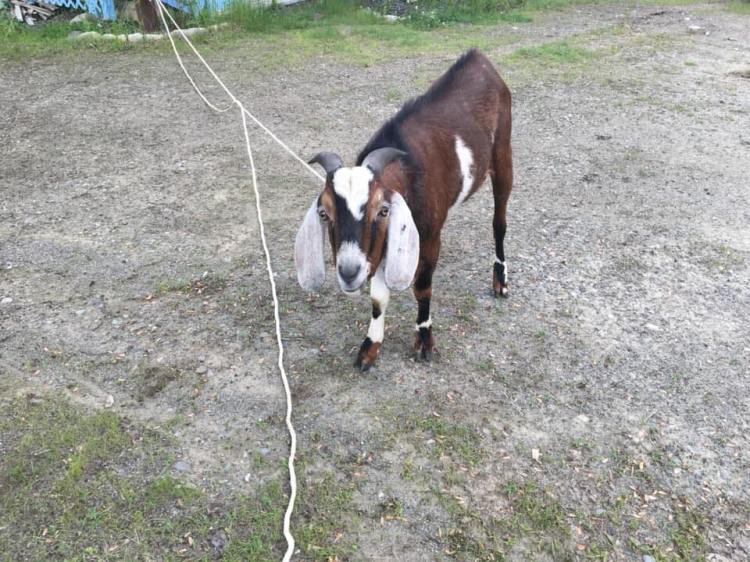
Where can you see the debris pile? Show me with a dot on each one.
(31, 12)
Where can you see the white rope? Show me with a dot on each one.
(244, 113)
(281, 143)
(290, 427)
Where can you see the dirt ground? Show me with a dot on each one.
(601, 412)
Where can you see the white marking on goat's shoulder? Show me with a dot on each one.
(426, 324)
(353, 184)
(465, 162)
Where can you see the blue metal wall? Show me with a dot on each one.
(105, 9)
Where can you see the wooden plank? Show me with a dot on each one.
(31, 7)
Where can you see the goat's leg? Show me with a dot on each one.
(370, 348)
(502, 183)
(424, 342)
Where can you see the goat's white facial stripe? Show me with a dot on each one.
(426, 324)
(353, 185)
(350, 258)
(465, 162)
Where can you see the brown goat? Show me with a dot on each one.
(384, 215)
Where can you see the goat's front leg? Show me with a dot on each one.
(370, 348)
(424, 342)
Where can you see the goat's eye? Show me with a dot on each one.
(384, 212)
(323, 215)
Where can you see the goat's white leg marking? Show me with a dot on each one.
(380, 295)
(502, 274)
(426, 324)
(465, 162)
(503, 265)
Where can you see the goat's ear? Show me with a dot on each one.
(403, 246)
(308, 250)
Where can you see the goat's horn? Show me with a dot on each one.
(329, 160)
(379, 158)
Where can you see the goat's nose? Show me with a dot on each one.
(349, 273)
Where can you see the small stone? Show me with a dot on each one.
(247, 477)
(653, 327)
(214, 361)
(201, 369)
(218, 539)
(181, 466)
(108, 36)
(109, 401)
(190, 31)
(153, 36)
(135, 37)
(535, 454)
(648, 558)
(695, 29)
(88, 35)
(6, 300)
(86, 16)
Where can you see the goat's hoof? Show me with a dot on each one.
(362, 366)
(501, 291)
(368, 353)
(424, 354)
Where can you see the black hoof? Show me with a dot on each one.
(502, 293)
(363, 367)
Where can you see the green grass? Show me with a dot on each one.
(78, 486)
(325, 518)
(459, 442)
(554, 53)
(335, 27)
(18, 40)
(532, 516)
(208, 283)
(739, 7)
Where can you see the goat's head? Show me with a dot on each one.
(367, 224)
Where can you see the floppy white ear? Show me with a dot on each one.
(308, 250)
(403, 246)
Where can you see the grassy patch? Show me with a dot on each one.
(716, 256)
(686, 539)
(323, 514)
(459, 442)
(565, 60)
(207, 284)
(92, 486)
(339, 28)
(739, 7)
(552, 54)
(532, 516)
(150, 380)
(535, 511)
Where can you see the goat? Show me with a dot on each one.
(385, 214)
